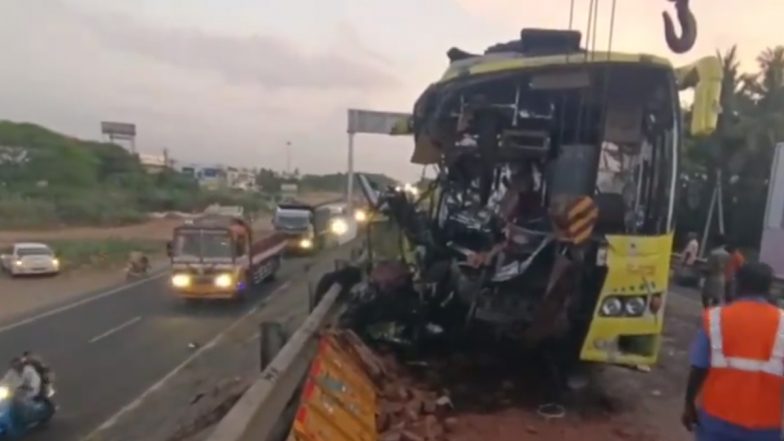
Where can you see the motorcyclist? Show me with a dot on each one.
(25, 383)
(43, 370)
(138, 263)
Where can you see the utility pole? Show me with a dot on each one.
(288, 157)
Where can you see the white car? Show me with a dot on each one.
(29, 259)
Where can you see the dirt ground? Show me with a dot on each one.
(155, 229)
(619, 403)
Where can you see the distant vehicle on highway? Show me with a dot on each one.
(309, 228)
(30, 258)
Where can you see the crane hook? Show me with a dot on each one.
(688, 23)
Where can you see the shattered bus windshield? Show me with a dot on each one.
(199, 244)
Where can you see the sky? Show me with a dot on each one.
(232, 81)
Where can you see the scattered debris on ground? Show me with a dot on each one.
(207, 408)
(462, 396)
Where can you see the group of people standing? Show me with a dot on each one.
(723, 263)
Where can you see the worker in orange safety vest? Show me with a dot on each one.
(734, 392)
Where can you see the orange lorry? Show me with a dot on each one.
(218, 257)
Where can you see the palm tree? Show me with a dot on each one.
(764, 122)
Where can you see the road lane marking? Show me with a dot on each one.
(115, 329)
(214, 341)
(81, 302)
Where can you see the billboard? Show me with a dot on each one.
(118, 129)
(381, 123)
(772, 246)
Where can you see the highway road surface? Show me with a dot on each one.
(108, 349)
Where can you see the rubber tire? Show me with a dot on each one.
(273, 275)
(250, 279)
(240, 298)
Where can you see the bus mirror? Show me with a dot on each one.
(705, 111)
(169, 251)
(705, 77)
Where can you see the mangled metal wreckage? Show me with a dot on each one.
(551, 217)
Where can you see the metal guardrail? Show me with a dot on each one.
(257, 414)
(261, 413)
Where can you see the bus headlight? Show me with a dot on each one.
(224, 281)
(339, 227)
(181, 280)
(612, 307)
(4, 393)
(360, 216)
(634, 306)
(306, 244)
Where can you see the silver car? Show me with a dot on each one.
(29, 258)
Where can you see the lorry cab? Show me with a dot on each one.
(296, 222)
(216, 257)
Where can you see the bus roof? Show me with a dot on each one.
(510, 61)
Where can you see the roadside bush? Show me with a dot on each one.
(17, 212)
(98, 208)
(50, 180)
(101, 253)
(169, 200)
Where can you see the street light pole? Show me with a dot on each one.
(288, 157)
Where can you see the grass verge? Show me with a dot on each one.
(105, 253)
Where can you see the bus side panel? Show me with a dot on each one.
(637, 267)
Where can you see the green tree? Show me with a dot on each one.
(751, 123)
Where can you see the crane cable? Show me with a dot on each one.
(571, 16)
(612, 27)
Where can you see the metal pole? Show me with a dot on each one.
(271, 341)
(311, 298)
(350, 183)
(720, 200)
(288, 157)
(708, 221)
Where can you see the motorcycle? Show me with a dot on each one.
(138, 266)
(41, 412)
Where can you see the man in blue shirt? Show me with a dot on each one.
(707, 427)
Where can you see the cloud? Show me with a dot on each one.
(638, 23)
(264, 60)
(206, 96)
